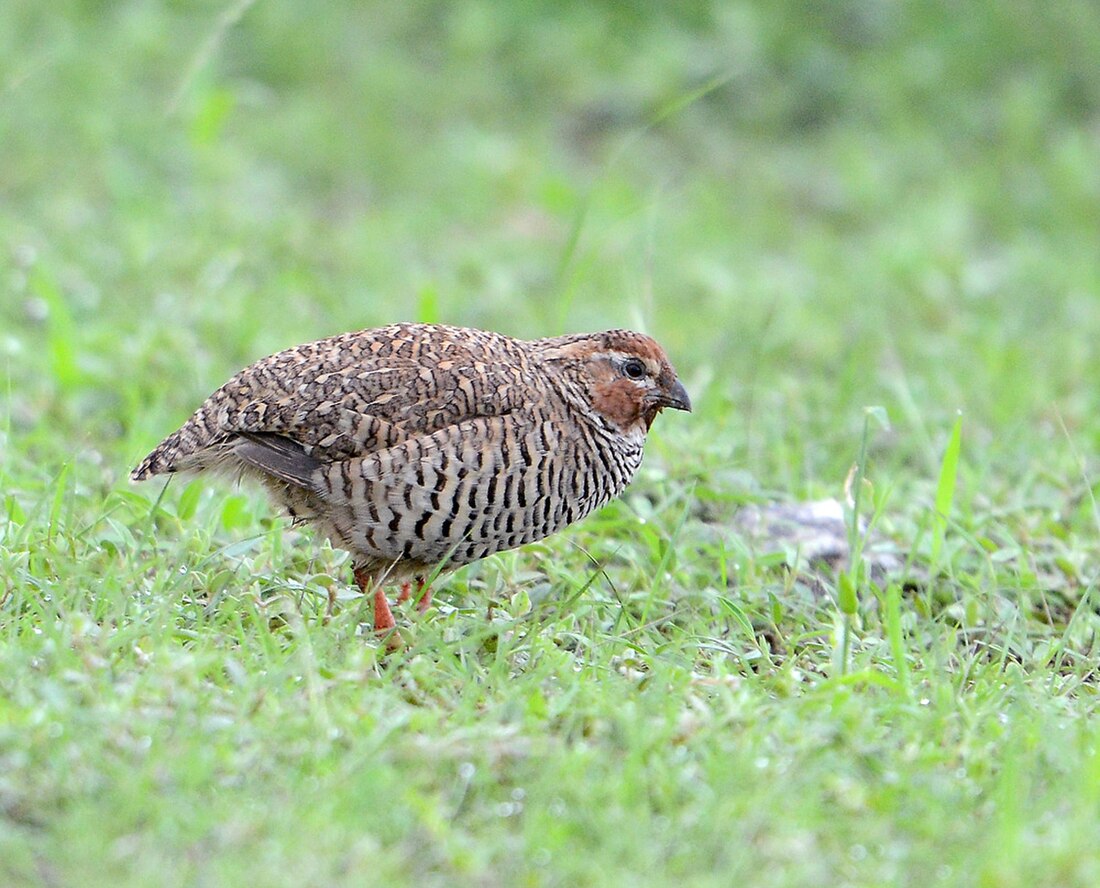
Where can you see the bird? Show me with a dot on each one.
(417, 447)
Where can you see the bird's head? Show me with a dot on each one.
(627, 376)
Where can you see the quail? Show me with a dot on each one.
(415, 446)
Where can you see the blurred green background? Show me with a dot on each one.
(814, 206)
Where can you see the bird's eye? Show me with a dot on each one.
(634, 369)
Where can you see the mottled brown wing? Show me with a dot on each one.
(354, 394)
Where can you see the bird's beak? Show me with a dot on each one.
(675, 396)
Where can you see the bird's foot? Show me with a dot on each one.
(383, 616)
(385, 626)
(424, 595)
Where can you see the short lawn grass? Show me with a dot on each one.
(818, 208)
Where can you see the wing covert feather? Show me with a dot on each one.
(360, 392)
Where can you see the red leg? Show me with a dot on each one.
(425, 597)
(383, 616)
(423, 594)
(362, 578)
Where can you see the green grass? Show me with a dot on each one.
(817, 208)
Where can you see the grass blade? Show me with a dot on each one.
(945, 489)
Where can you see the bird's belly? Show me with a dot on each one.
(473, 503)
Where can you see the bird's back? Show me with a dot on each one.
(355, 393)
